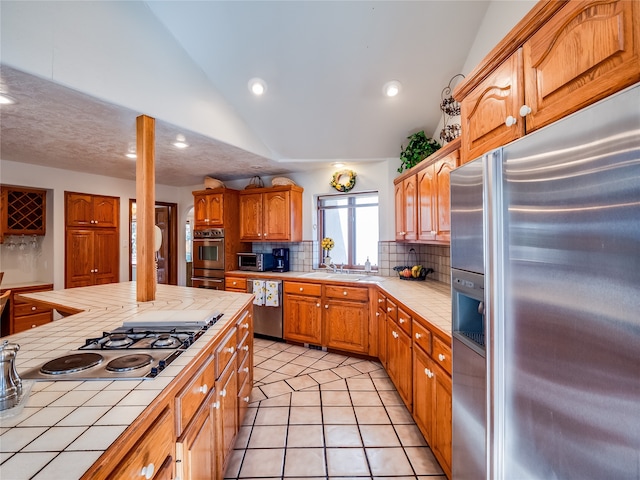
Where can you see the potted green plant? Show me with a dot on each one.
(419, 147)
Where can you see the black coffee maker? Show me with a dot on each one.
(281, 259)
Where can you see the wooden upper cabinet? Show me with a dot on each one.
(422, 204)
(585, 53)
(406, 204)
(208, 209)
(85, 210)
(271, 214)
(562, 56)
(22, 211)
(486, 110)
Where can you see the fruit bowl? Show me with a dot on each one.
(420, 273)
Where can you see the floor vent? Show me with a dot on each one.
(315, 347)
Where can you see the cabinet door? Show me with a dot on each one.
(78, 209)
(410, 206)
(208, 210)
(227, 413)
(106, 257)
(79, 258)
(399, 361)
(586, 52)
(106, 211)
(277, 216)
(426, 207)
(423, 393)
(302, 319)
(251, 217)
(347, 325)
(442, 204)
(399, 208)
(196, 448)
(485, 110)
(441, 434)
(381, 316)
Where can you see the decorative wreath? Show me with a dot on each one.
(343, 187)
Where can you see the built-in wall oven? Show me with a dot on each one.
(208, 259)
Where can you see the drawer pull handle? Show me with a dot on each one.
(216, 405)
(245, 325)
(235, 283)
(326, 306)
(301, 289)
(245, 348)
(223, 393)
(317, 304)
(441, 357)
(245, 399)
(377, 314)
(395, 335)
(344, 293)
(402, 320)
(33, 326)
(147, 472)
(203, 389)
(389, 309)
(231, 350)
(33, 309)
(245, 369)
(380, 300)
(428, 373)
(418, 336)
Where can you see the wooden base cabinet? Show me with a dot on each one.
(92, 257)
(399, 361)
(196, 447)
(330, 316)
(302, 312)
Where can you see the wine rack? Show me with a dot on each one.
(23, 211)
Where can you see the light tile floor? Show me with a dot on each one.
(315, 414)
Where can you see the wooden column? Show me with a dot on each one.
(145, 213)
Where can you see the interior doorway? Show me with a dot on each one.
(167, 257)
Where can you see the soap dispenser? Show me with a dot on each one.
(367, 265)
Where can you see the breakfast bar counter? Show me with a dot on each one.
(66, 426)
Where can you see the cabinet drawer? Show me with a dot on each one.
(392, 309)
(235, 283)
(244, 326)
(20, 309)
(299, 288)
(26, 322)
(243, 370)
(191, 397)
(403, 320)
(442, 354)
(151, 451)
(382, 302)
(225, 351)
(351, 293)
(243, 348)
(422, 337)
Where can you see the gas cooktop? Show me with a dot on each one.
(134, 351)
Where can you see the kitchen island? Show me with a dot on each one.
(71, 429)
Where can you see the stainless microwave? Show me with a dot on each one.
(256, 262)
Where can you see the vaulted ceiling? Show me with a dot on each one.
(81, 72)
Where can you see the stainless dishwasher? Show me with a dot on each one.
(267, 320)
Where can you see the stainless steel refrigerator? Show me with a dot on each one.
(545, 256)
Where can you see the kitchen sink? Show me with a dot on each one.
(345, 277)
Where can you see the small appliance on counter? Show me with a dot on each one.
(256, 262)
(281, 257)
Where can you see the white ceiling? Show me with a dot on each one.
(324, 62)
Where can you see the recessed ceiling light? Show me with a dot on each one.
(337, 164)
(180, 142)
(257, 86)
(131, 151)
(392, 88)
(6, 100)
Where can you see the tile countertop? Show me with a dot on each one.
(429, 298)
(66, 425)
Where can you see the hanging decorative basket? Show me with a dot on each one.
(255, 182)
(343, 180)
